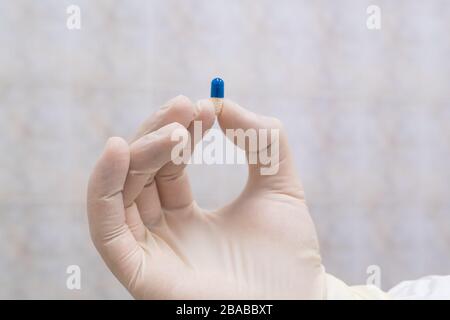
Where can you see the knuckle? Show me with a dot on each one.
(276, 123)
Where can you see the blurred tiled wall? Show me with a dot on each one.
(367, 112)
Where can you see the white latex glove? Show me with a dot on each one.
(161, 245)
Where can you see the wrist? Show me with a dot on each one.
(336, 289)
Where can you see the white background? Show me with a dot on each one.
(367, 114)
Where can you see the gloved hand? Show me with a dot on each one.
(161, 245)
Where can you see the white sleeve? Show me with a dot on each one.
(430, 287)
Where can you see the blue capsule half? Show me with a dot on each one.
(217, 88)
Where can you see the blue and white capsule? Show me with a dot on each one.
(217, 94)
